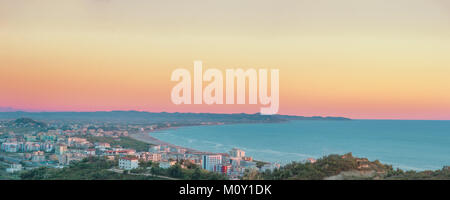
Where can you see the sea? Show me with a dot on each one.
(405, 144)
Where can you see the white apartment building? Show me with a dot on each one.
(210, 161)
(237, 153)
(10, 147)
(128, 163)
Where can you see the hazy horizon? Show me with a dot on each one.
(2, 109)
(359, 59)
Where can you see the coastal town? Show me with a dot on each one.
(30, 144)
(120, 146)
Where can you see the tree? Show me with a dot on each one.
(197, 174)
(252, 174)
(176, 171)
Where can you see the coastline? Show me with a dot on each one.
(382, 130)
(145, 137)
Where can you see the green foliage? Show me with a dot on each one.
(97, 168)
(92, 168)
(333, 165)
(259, 164)
(442, 174)
(252, 174)
(27, 122)
(125, 142)
(24, 125)
(5, 175)
(190, 172)
(327, 166)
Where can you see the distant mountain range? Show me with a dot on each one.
(150, 117)
(8, 109)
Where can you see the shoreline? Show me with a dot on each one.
(145, 137)
(399, 163)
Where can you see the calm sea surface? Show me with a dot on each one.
(416, 145)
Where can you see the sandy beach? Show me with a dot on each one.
(145, 137)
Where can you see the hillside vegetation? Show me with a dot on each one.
(346, 167)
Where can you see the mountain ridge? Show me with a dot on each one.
(144, 116)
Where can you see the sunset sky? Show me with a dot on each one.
(369, 59)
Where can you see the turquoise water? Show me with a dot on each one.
(405, 144)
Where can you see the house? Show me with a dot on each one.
(121, 152)
(147, 156)
(14, 168)
(102, 145)
(128, 163)
(269, 167)
(166, 165)
(90, 152)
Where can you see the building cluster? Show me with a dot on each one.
(58, 148)
(232, 164)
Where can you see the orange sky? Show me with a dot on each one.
(358, 59)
